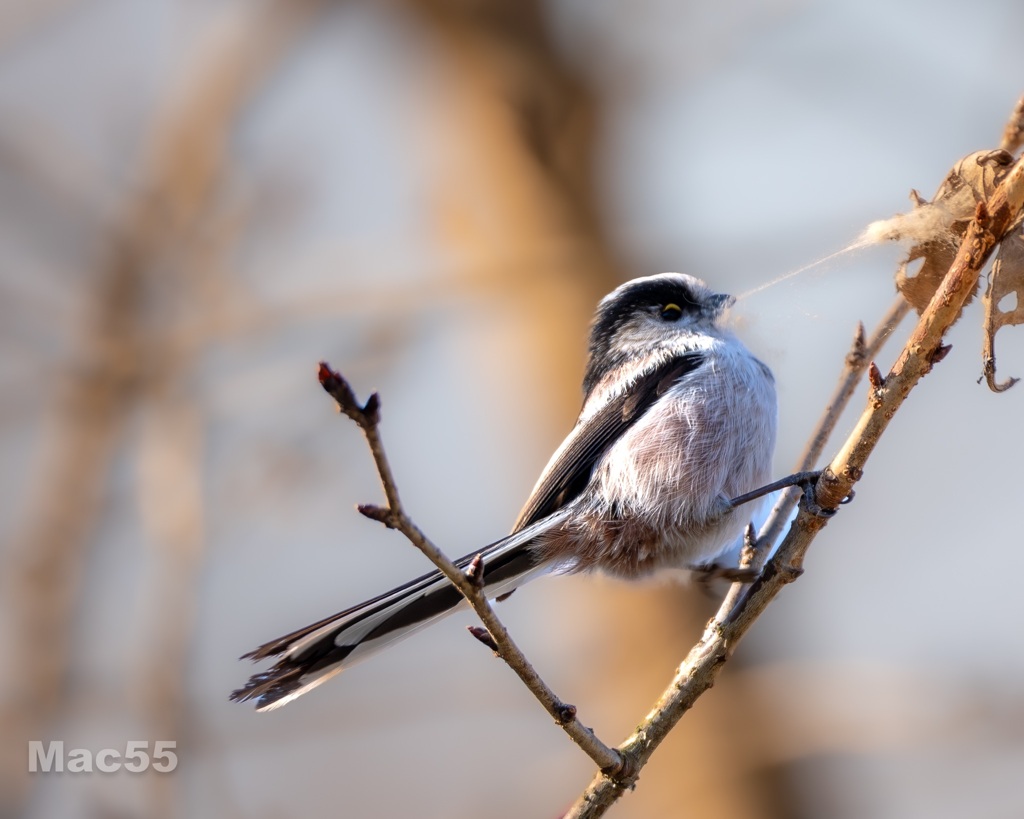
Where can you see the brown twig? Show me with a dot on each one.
(1013, 134)
(469, 582)
(920, 353)
(925, 348)
(861, 356)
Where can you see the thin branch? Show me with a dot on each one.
(1013, 134)
(922, 350)
(925, 348)
(469, 582)
(862, 354)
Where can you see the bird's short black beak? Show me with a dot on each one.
(721, 301)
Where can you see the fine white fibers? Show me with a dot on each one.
(930, 222)
(927, 223)
(855, 245)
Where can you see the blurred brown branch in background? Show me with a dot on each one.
(523, 124)
(127, 354)
(531, 124)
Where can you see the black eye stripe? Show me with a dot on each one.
(646, 296)
(658, 294)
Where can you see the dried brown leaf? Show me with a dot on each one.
(940, 224)
(1006, 280)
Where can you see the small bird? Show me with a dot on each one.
(678, 418)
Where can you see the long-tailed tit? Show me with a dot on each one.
(678, 417)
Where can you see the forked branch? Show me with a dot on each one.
(468, 581)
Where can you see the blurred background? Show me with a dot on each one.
(200, 199)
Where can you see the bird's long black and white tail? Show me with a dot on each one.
(316, 653)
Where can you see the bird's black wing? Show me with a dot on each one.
(589, 440)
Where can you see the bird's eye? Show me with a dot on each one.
(671, 312)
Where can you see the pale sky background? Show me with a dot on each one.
(741, 141)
